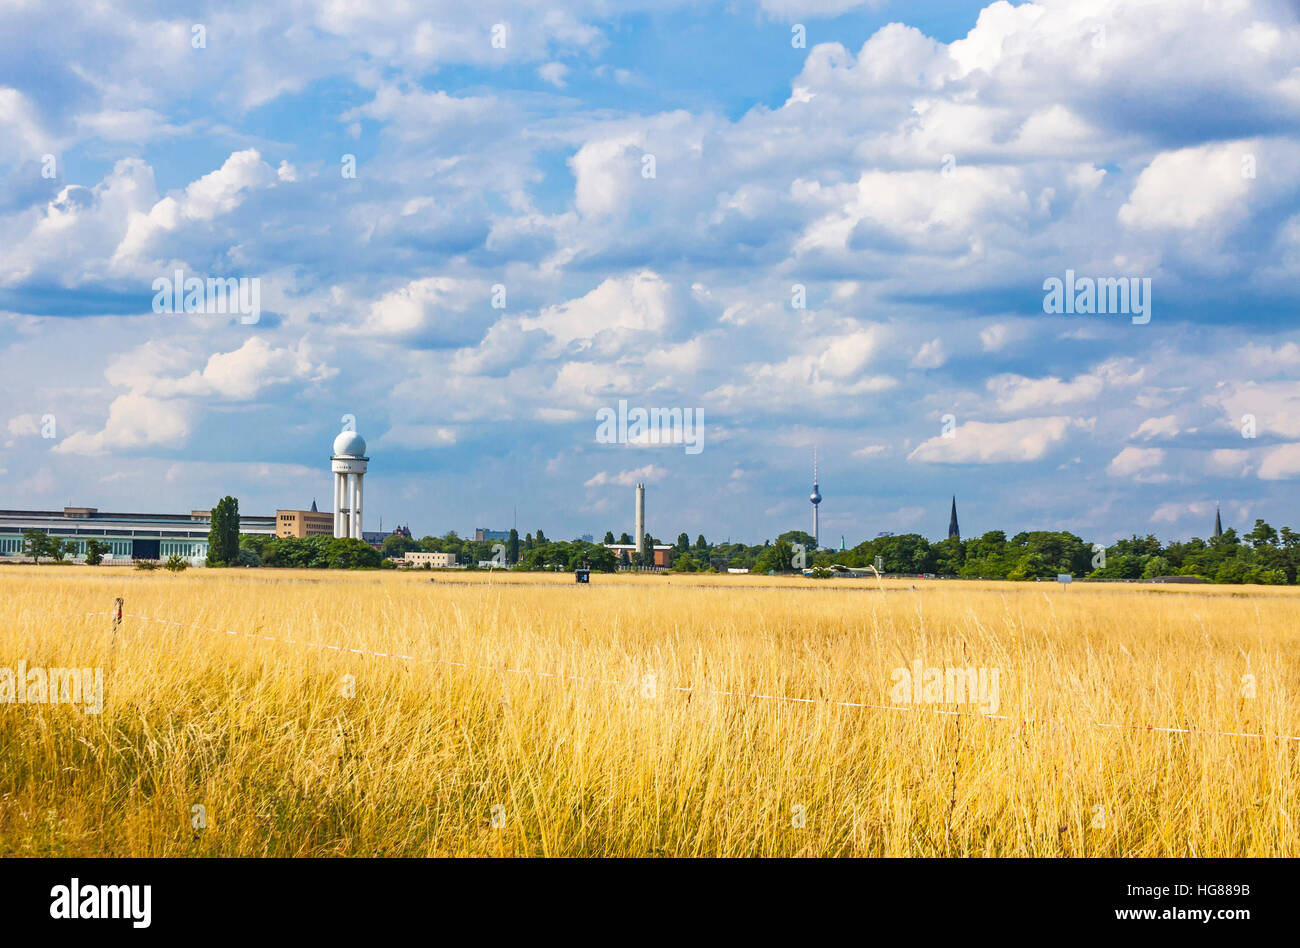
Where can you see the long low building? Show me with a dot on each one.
(663, 552)
(128, 536)
(433, 560)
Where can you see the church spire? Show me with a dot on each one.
(954, 533)
(1218, 523)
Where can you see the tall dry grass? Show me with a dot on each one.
(262, 735)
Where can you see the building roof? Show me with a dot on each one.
(88, 521)
(94, 514)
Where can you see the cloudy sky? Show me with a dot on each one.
(555, 208)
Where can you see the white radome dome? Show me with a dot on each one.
(349, 444)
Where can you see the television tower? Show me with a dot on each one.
(640, 519)
(816, 498)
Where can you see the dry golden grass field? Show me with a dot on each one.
(228, 734)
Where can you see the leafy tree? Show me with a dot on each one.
(1230, 571)
(1155, 567)
(624, 538)
(579, 554)
(986, 556)
(473, 552)
(1264, 555)
(1229, 538)
(351, 553)
(397, 545)
(949, 556)
(453, 544)
(906, 553)
(512, 547)
(254, 542)
(95, 550)
(1060, 551)
(314, 552)
(1289, 552)
(1262, 536)
(685, 563)
(59, 548)
(1029, 566)
(36, 543)
(776, 558)
(683, 543)
(569, 555)
(798, 536)
(609, 536)
(223, 535)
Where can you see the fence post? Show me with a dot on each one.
(117, 614)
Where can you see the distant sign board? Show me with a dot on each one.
(1064, 578)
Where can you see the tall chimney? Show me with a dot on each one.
(640, 519)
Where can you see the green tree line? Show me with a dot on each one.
(1264, 555)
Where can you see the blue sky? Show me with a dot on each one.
(918, 170)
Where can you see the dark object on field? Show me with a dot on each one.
(582, 575)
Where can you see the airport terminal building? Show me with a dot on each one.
(154, 536)
(129, 536)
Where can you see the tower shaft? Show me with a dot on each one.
(639, 539)
(816, 498)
